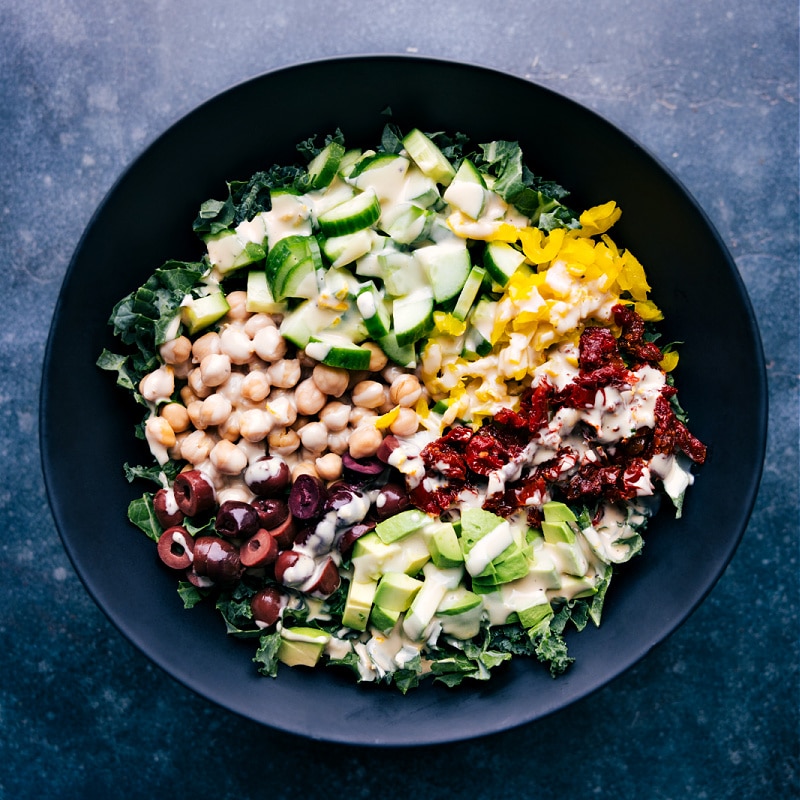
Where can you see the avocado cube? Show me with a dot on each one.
(458, 601)
(531, 617)
(557, 532)
(401, 525)
(301, 646)
(384, 619)
(444, 547)
(408, 557)
(558, 512)
(475, 524)
(396, 591)
(360, 596)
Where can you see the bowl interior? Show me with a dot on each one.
(87, 422)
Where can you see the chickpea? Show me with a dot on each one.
(232, 388)
(205, 345)
(257, 322)
(196, 447)
(368, 394)
(282, 409)
(255, 424)
(283, 442)
(308, 398)
(285, 373)
(406, 424)
(335, 415)
(229, 429)
(233, 493)
(377, 358)
(304, 468)
(177, 416)
(331, 380)
(365, 441)
(215, 409)
(175, 450)
(391, 373)
(236, 344)
(269, 344)
(195, 382)
(300, 421)
(238, 306)
(157, 430)
(187, 395)
(215, 369)
(314, 437)
(405, 390)
(255, 386)
(158, 385)
(329, 466)
(227, 458)
(176, 351)
(339, 441)
(359, 416)
(194, 411)
(182, 371)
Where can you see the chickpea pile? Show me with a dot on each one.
(244, 390)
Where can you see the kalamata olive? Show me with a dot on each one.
(390, 500)
(217, 559)
(272, 512)
(267, 605)
(349, 536)
(389, 444)
(237, 520)
(339, 494)
(326, 579)
(259, 550)
(307, 497)
(194, 492)
(284, 534)
(175, 547)
(200, 581)
(361, 470)
(166, 508)
(293, 568)
(268, 476)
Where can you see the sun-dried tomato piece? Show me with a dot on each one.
(486, 453)
(534, 405)
(598, 348)
(444, 459)
(631, 341)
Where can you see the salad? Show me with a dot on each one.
(407, 411)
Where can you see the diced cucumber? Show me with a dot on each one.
(323, 167)
(348, 162)
(428, 157)
(412, 316)
(447, 266)
(407, 223)
(401, 273)
(291, 267)
(467, 190)
(307, 319)
(403, 356)
(420, 189)
(354, 214)
(338, 351)
(374, 311)
(201, 312)
(469, 292)
(384, 173)
(232, 249)
(343, 250)
(259, 296)
(501, 261)
(289, 215)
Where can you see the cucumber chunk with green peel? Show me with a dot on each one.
(345, 249)
(467, 190)
(469, 293)
(447, 266)
(403, 356)
(355, 214)
(401, 273)
(501, 261)
(291, 267)
(259, 296)
(373, 309)
(337, 351)
(384, 173)
(407, 223)
(308, 319)
(200, 312)
(323, 167)
(412, 316)
(428, 157)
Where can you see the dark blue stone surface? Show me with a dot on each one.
(709, 88)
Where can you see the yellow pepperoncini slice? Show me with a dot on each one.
(447, 324)
(538, 248)
(631, 277)
(385, 420)
(599, 219)
(669, 362)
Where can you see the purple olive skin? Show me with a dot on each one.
(194, 492)
(237, 520)
(392, 499)
(363, 468)
(172, 552)
(339, 494)
(307, 497)
(259, 550)
(327, 582)
(217, 559)
(285, 560)
(163, 500)
(388, 446)
(349, 537)
(284, 534)
(272, 512)
(268, 477)
(267, 605)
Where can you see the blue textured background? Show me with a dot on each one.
(709, 87)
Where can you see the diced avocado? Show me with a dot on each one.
(475, 524)
(543, 570)
(359, 601)
(511, 564)
(567, 557)
(384, 619)
(458, 601)
(577, 586)
(558, 512)
(436, 584)
(369, 556)
(412, 555)
(532, 616)
(301, 646)
(396, 590)
(401, 525)
(444, 546)
(201, 312)
(557, 531)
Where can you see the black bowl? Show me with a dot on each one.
(86, 421)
